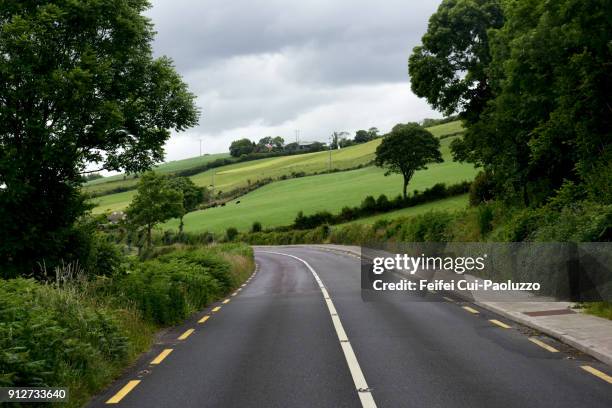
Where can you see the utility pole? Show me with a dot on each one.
(330, 150)
(200, 147)
(213, 185)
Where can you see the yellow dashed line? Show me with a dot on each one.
(123, 392)
(216, 309)
(543, 345)
(500, 324)
(226, 301)
(470, 309)
(204, 319)
(186, 334)
(161, 356)
(447, 299)
(597, 373)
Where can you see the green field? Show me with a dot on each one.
(120, 180)
(278, 203)
(237, 175)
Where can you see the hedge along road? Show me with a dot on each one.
(279, 342)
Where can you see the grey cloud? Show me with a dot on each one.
(265, 66)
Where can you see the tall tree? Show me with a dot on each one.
(362, 136)
(449, 69)
(193, 196)
(156, 200)
(532, 87)
(406, 149)
(79, 87)
(241, 146)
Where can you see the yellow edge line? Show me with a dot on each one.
(204, 319)
(226, 301)
(471, 310)
(216, 309)
(123, 392)
(500, 324)
(597, 373)
(160, 357)
(543, 345)
(186, 334)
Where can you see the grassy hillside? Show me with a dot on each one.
(278, 203)
(120, 180)
(229, 177)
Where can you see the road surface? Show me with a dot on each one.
(299, 334)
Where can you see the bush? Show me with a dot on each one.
(368, 205)
(58, 337)
(485, 219)
(212, 264)
(482, 189)
(382, 203)
(302, 221)
(230, 234)
(256, 227)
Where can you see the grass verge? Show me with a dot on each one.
(83, 334)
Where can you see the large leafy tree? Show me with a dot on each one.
(156, 200)
(193, 196)
(450, 68)
(406, 149)
(534, 92)
(79, 88)
(241, 146)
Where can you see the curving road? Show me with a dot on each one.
(289, 340)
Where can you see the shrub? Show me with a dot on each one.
(302, 221)
(231, 233)
(166, 292)
(482, 189)
(256, 227)
(368, 205)
(58, 337)
(485, 219)
(382, 203)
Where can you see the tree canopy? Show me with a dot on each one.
(156, 200)
(79, 88)
(532, 82)
(241, 146)
(193, 195)
(406, 149)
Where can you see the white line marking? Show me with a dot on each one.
(365, 395)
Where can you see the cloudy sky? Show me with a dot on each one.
(268, 67)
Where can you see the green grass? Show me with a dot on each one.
(278, 203)
(120, 180)
(447, 204)
(232, 176)
(601, 309)
(449, 128)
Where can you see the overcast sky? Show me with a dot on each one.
(268, 67)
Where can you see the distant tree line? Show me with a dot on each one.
(370, 206)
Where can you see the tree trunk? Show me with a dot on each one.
(149, 227)
(181, 224)
(405, 186)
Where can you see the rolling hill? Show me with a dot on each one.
(240, 174)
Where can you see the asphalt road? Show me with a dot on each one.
(280, 343)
